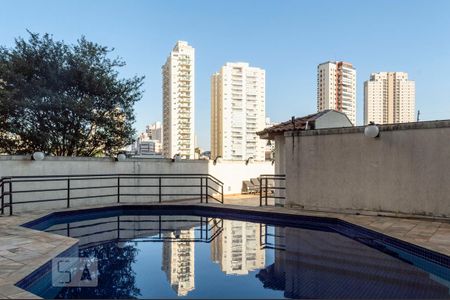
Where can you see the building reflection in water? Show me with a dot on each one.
(238, 248)
(323, 264)
(307, 263)
(178, 260)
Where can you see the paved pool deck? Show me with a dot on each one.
(23, 250)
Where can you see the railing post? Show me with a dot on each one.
(201, 228)
(10, 198)
(3, 196)
(222, 192)
(206, 232)
(201, 189)
(266, 188)
(118, 189)
(118, 228)
(261, 235)
(260, 191)
(68, 192)
(207, 190)
(159, 187)
(159, 227)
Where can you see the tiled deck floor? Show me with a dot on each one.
(23, 250)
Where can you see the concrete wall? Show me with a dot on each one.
(232, 173)
(404, 171)
(280, 167)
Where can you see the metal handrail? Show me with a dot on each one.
(264, 236)
(208, 187)
(207, 232)
(264, 187)
(2, 196)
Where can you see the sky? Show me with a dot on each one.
(286, 38)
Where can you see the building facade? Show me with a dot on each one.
(145, 147)
(150, 141)
(237, 112)
(155, 133)
(336, 88)
(179, 102)
(389, 97)
(238, 249)
(178, 260)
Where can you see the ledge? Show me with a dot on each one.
(360, 129)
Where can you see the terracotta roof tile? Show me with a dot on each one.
(296, 124)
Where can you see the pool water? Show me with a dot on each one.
(192, 256)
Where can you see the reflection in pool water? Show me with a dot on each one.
(200, 257)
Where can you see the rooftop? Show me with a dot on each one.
(307, 122)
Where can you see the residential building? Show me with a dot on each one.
(145, 147)
(336, 88)
(178, 260)
(238, 248)
(179, 102)
(237, 112)
(389, 97)
(154, 133)
(149, 143)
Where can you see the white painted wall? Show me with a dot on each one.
(232, 173)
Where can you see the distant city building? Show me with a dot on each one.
(147, 148)
(389, 97)
(178, 260)
(142, 146)
(178, 102)
(155, 134)
(237, 112)
(238, 248)
(149, 142)
(336, 88)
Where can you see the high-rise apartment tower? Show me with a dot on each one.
(389, 97)
(178, 102)
(238, 248)
(336, 88)
(178, 260)
(238, 112)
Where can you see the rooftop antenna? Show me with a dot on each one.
(293, 121)
(418, 115)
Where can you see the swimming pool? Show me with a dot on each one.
(201, 252)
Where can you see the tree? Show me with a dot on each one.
(65, 100)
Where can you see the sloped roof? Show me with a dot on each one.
(296, 124)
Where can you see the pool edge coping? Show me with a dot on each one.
(12, 291)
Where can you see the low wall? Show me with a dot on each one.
(231, 173)
(403, 171)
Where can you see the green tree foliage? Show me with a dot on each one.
(116, 278)
(65, 100)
